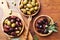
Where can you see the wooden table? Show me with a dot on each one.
(50, 8)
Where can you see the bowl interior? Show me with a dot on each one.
(20, 31)
(35, 21)
(38, 1)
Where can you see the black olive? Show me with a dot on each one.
(45, 31)
(45, 21)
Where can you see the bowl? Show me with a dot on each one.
(16, 15)
(34, 23)
(33, 13)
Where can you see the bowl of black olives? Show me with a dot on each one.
(41, 25)
(13, 26)
(29, 7)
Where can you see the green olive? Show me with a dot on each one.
(33, 1)
(36, 8)
(23, 10)
(27, 9)
(25, 2)
(20, 28)
(36, 4)
(32, 9)
(21, 6)
(28, 12)
(29, 5)
(33, 4)
(13, 25)
(8, 22)
(17, 32)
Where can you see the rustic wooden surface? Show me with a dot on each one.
(50, 8)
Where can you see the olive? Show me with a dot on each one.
(17, 23)
(36, 4)
(13, 25)
(20, 28)
(25, 6)
(33, 4)
(36, 8)
(39, 22)
(6, 26)
(20, 24)
(32, 9)
(41, 26)
(6, 30)
(12, 20)
(29, 5)
(45, 21)
(16, 28)
(13, 33)
(8, 22)
(33, 1)
(21, 6)
(11, 29)
(23, 10)
(17, 19)
(27, 9)
(28, 12)
(25, 2)
(17, 32)
(46, 31)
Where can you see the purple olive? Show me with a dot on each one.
(20, 24)
(11, 29)
(12, 20)
(6, 30)
(13, 33)
(6, 26)
(16, 28)
(17, 19)
(17, 22)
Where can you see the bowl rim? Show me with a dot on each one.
(32, 14)
(40, 33)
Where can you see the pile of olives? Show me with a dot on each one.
(41, 25)
(28, 7)
(12, 25)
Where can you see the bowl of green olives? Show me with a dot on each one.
(41, 25)
(13, 26)
(29, 7)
